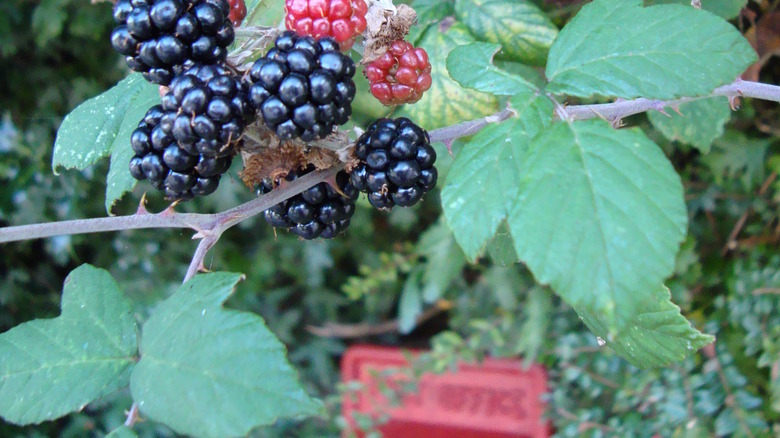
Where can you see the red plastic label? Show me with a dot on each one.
(497, 398)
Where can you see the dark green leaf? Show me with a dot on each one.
(701, 122)
(736, 156)
(444, 261)
(92, 130)
(600, 216)
(51, 367)
(618, 48)
(522, 29)
(210, 372)
(482, 185)
(410, 305)
(471, 66)
(727, 9)
(654, 336)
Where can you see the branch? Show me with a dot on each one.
(354, 331)
(615, 111)
(203, 224)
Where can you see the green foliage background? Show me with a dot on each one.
(54, 54)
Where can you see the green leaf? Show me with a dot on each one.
(537, 310)
(122, 432)
(727, 9)
(501, 248)
(429, 12)
(471, 66)
(617, 48)
(210, 372)
(51, 367)
(446, 102)
(92, 130)
(522, 29)
(483, 182)
(264, 13)
(444, 260)
(600, 216)
(701, 122)
(736, 156)
(656, 335)
(410, 306)
(48, 20)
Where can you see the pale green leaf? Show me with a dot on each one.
(501, 248)
(483, 182)
(537, 309)
(51, 367)
(446, 102)
(211, 372)
(522, 29)
(698, 123)
(617, 48)
(654, 336)
(471, 66)
(264, 13)
(600, 216)
(444, 260)
(410, 305)
(92, 130)
(727, 9)
(122, 432)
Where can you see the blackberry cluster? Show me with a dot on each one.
(303, 87)
(319, 211)
(160, 37)
(396, 163)
(185, 145)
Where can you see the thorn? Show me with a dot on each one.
(618, 123)
(662, 111)
(202, 267)
(734, 102)
(169, 210)
(676, 108)
(449, 143)
(142, 206)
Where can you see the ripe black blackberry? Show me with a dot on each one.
(160, 37)
(303, 87)
(396, 163)
(211, 110)
(319, 211)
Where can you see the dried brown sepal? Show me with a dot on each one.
(271, 163)
(384, 27)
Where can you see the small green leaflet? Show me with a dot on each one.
(51, 367)
(471, 66)
(207, 371)
(698, 123)
(656, 335)
(522, 29)
(447, 103)
(444, 260)
(727, 9)
(617, 48)
(734, 155)
(600, 216)
(102, 126)
(483, 182)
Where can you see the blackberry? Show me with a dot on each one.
(303, 87)
(160, 37)
(168, 167)
(319, 211)
(211, 110)
(396, 163)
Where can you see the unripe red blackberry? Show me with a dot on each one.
(237, 12)
(319, 211)
(396, 163)
(303, 87)
(401, 75)
(160, 37)
(341, 20)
